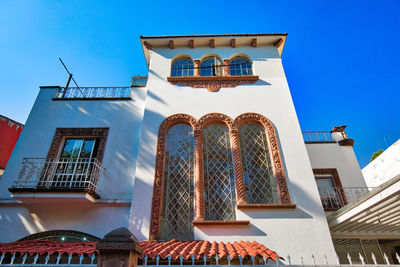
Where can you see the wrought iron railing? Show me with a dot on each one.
(94, 92)
(318, 137)
(63, 173)
(337, 197)
(47, 259)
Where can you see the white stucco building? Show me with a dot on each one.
(208, 148)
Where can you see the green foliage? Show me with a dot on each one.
(376, 154)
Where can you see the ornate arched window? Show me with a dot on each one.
(61, 236)
(182, 67)
(219, 180)
(240, 66)
(257, 165)
(177, 207)
(211, 66)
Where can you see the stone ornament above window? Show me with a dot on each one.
(212, 73)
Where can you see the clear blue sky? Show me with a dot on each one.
(341, 58)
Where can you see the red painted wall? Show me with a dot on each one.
(9, 133)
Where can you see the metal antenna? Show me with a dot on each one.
(69, 80)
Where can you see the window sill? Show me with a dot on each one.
(202, 223)
(213, 83)
(266, 206)
(90, 98)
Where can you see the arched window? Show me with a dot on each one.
(177, 207)
(240, 66)
(182, 67)
(61, 236)
(258, 174)
(211, 66)
(219, 184)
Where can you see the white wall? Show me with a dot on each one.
(342, 158)
(303, 231)
(123, 118)
(384, 167)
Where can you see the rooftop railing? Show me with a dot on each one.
(94, 93)
(62, 174)
(318, 137)
(337, 197)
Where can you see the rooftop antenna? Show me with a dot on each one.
(69, 80)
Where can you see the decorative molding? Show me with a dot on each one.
(336, 180)
(279, 171)
(227, 70)
(254, 42)
(278, 43)
(62, 133)
(346, 142)
(159, 170)
(222, 223)
(213, 83)
(212, 43)
(339, 128)
(266, 206)
(171, 44)
(198, 127)
(233, 43)
(147, 45)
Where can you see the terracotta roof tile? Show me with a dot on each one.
(164, 249)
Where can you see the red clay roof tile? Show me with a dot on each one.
(164, 249)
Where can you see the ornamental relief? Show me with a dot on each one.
(198, 126)
(213, 85)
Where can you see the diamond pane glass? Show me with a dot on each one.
(219, 180)
(177, 209)
(258, 175)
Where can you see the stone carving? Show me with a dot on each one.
(213, 84)
(198, 126)
(279, 171)
(159, 170)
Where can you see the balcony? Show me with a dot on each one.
(43, 180)
(318, 137)
(337, 197)
(94, 93)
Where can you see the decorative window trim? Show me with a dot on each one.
(279, 171)
(336, 180)
(233, 127)
(213, 83)
(62, 133)
(155, 220)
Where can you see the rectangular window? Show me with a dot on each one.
(329, 193)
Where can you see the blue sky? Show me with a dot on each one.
(341, 57)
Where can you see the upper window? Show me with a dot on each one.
(182, 67)
(178, 211)
(240, 66)
(219, 180)
(258, 174)
(211, 66)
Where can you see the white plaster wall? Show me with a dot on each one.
(300, 232)
(384, 167)
(342, 158)
(123, 118)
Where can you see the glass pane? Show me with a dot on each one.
(240, 66)
(71, 147)
(211, 66)
(258, 175)
(182, 67)
(87, 148)
(219, 180)
(178, 209)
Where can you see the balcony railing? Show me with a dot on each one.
(40, 174)
(318, 137)
(94, 93)
(337, 197)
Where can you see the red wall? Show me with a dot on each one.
(9, 133)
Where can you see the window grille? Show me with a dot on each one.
(219, 187)
(211, 66)
(178, 211)
(240, 66)
(258, 175)
(182, 67)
